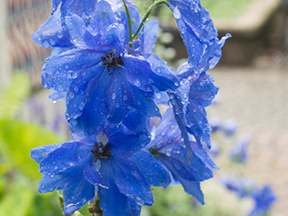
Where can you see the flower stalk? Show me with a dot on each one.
(146, 16)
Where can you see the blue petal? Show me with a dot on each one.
(70, 154)
(135, 18)
(51, 34)
(140, 74)
(125, 145)
(62, 181)
(97, 89)
(71, 61)
(113, 38)
(193, 188)
(102, 18)
(93, 176)
(130, 181)
(80, 36)
(201, 153)
(77, 96)
(142, 101)
(137, 123)
(166, 132)
(112, 201)
(179, 114)
(76, 197)
(81, 8)
(114, 96)
(40, 153)
(61, 70)
(149, 37)
(188, 178)
(203, 90)
(154, 173)
(195, 26)
(56, 95)
(55, 4)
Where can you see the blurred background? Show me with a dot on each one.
(253, 99)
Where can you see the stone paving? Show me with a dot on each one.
(257, 98)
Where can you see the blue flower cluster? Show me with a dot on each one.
(244, 187)
(104, 67)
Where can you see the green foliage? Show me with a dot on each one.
(17, 202)
(18, 190)
(173, 201)
(225, 9)
(17, 139)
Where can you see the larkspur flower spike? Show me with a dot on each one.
(104, 67)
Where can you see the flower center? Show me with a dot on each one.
(110, 60)
(101, 151)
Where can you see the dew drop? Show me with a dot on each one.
(74, 75)
(137, 83)
(125, 97)
(117, 105)
(177, 13)
(70, 95)
(149, 89)
(67, 116)
(113, 96)
(158, 95)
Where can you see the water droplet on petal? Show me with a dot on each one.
(113, 96)
(70, 95)
(67, 116)
(117, 105)
(137, 83)
(125, 97)
(177, 13)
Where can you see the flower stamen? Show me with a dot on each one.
(101, 151)
(111, 60)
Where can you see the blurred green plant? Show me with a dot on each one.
(18, 172)
(219, 9)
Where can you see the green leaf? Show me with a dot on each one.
(17, 202)
(18, 138)
(13, 95)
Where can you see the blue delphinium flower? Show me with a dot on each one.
(100, 77)
(243, 186)
(229, 127)
(168, 147)
(88, 165)
(197, 89)
(264, 199)
(189, 101)
(215, 124)
(239, 152)
(198, 33)
(53, 33)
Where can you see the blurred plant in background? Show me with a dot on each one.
(18, 172)
(230, 192)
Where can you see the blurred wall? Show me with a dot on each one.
(5, 66)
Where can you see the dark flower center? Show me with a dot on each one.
(101, 151)
(154, 151)
(110, 60)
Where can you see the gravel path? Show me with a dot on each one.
(257, 99)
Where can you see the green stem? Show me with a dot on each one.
(146, 16)
(129, 22)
